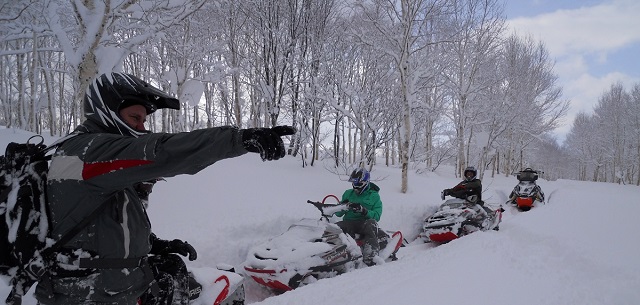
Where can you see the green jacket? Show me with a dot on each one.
(370, 199)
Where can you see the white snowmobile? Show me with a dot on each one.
(458, 217)
(312, 249)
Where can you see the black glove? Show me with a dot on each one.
(358, 208)
(161, 246)
(183, 248)
(445, 192)
(266, 141)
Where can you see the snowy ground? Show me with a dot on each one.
(580, 248)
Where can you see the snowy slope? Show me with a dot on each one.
(580, 248)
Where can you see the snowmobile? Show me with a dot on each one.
(458, 217)
(215, 286)
(526, 198)
(313, 249)
(527, 193)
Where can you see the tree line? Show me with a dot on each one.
(407, 83)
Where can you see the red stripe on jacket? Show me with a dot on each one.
(91, 170)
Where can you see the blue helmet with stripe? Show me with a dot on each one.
(360, 179)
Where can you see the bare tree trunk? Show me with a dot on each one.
(53, 120)
(33, 79)
(461, 162)
(21, 98)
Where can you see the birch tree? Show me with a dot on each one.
(613, 123)
(480, 25)
(634, 125)
(25, 95)
(526, 102)
(97, 35)
(399, 30)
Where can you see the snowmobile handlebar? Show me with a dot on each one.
(329, 209)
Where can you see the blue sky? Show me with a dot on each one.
(594, 44)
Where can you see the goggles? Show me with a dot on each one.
(359, 184)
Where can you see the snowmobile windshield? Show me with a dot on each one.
(528, 176)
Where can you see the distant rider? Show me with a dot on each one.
(365, 209)
(469, 189)
(531, 176)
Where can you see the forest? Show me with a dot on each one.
(409, 83)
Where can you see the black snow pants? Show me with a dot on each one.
(368, 231)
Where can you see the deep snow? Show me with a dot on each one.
(582, 247)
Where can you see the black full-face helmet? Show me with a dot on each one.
(527, 174)
(359, 179)
(470, 173)
(110, 92)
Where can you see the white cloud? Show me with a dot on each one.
(602, 28)
(571, 66)
(584, 91)
(581, 38)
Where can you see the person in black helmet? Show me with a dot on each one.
(470, 185)
(98, 168)
(470, 189)
(527, 175)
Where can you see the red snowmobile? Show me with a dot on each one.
(527, 193)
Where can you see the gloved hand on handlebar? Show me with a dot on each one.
(266, 141)
(444, 193)
(358, 208)
(161, 246)
(183, 248)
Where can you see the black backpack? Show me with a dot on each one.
(25, 246)
(23, 208)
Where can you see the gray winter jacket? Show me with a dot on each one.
(95, 167)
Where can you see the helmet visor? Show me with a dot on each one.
(469, 175)
(359, 184)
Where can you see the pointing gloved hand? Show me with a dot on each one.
(266, 141)
(358, 208)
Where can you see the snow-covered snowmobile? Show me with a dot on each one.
(457, 217)
(312, 249)
(527, 193)
(214, 286)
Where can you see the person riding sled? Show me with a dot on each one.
(469, 189)
(365, 209)
(527, 175)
